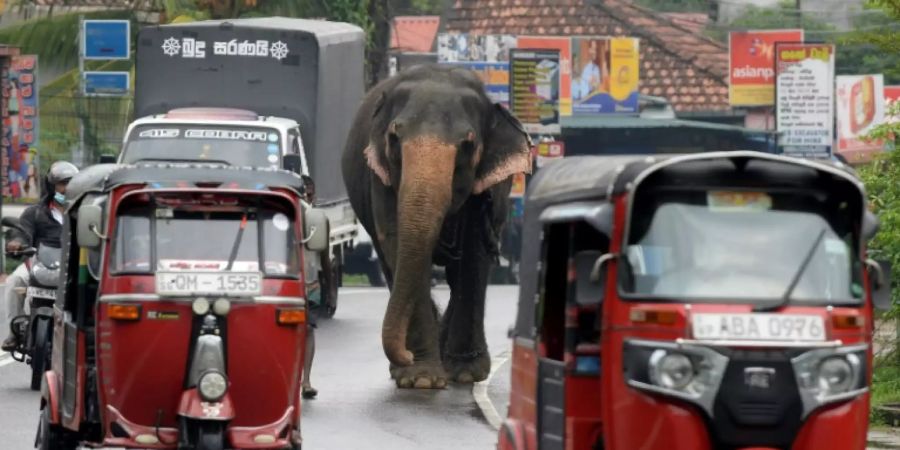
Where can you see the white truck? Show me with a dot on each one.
(262, 92)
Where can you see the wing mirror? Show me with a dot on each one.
(590, 278)
(316, 230)
(880, 280)
(90, 223)
(292, 163)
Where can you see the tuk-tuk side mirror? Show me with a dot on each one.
(316, 230)
(870, 225)
(880, 279)
(107, 159)
(590, 279)
(89, 229)
(292, 163)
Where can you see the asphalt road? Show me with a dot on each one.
(358, 404)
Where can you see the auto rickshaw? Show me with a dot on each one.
(181, 318)
(709, 301)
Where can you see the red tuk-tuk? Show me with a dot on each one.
(709, 301)
(181, 318)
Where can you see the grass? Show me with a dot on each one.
(885, 386)
(355, 280)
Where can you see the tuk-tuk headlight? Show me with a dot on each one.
(200, 306)
(688, 372)
(830, 375)
(671, 370)
(212, 386)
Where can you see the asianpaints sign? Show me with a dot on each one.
(860, 107)
(751, 65)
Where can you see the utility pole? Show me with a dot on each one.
(78, 157)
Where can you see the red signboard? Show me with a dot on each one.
(751, 65)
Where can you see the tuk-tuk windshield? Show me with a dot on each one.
(742, 246)
(205, 241)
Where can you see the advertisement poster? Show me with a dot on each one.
(605, 75)
(751, 79)
(534, 89)
(563, 45)
(804, 81)
(891, 97)
(21, 129)
(549, 151)
(860, 107)
(486, 55)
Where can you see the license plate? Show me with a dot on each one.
(41, 293)
(763, 327)
(210, 283)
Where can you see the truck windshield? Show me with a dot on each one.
(752, 247)
(236, 146)
(205, 241)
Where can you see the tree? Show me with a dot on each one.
(697, 6)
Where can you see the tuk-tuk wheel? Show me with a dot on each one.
(40, 354)
(210, 438)
(52, 437)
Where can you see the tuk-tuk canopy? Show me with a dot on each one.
(104, 177)
(589, 180)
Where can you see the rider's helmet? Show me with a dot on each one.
(60, 172)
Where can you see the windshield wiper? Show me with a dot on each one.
(797, 276)
(237, 243)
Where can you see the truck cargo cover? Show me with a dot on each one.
(307, 70)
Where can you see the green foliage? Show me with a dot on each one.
(785, 15)
(700, 6)
(885, 388)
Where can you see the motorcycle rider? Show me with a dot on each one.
(43, 223)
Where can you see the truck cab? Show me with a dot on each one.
(230, 136)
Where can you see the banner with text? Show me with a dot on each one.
(860, 107)
(804, 81)
(486, 55)
(605, 76)
(751, 79)
(564, 46)
(21, 129)
(534, 89)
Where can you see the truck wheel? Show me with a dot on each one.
(330, 284)
(40, 354)
(373, 273)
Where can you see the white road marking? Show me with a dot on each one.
(5, 359)
(480, 392)
(362, 291)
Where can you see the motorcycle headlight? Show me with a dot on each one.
(44, 276)
(212, 386)
(691, 373)
(830, 375)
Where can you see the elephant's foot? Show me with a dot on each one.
(468, 368)
(420, 375)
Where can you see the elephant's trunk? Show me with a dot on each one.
(426, 186)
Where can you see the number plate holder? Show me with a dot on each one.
(41, 292)
(192, 283)
(758, 327)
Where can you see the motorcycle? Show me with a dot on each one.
(33, 330)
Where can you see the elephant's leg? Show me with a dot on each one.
(427, 372)
(384, 211)
(464, 351)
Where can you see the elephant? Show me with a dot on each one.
(428, 167)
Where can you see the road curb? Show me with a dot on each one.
(480, 393)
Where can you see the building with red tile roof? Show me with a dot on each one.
(677, 62)
(414, 33)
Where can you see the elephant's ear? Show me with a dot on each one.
(373, 159)
(507, 151)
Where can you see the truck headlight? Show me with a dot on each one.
(830, 375)
(212, 386)
(690, 373)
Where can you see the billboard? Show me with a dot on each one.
(21, 129)
(534, 89)
(605, 75)
(860, 107)
(564, 46)
(751, 77)
(486, 55)
(804, 110)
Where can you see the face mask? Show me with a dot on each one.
(59, 198)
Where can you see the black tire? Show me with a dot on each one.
(373, 273)
(330, 283)
(210, 438)
(51, 437)
(40, 354)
